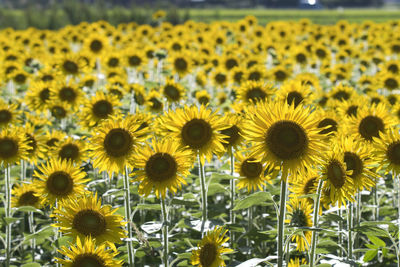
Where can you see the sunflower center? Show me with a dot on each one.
(353, 163)
(299, 219)
(336, 174)
(341, 95)
(391, 83)
(161, 167)
(87, 260)
(44, 94)
(203, 100)
(256, 94)
(8, 148)
(58, 112)
(118, 142)
(251, 169)
(196, 133)
(232, 133)
(67, 94)
(31, 143)
(370, 127)
(96, 46)
(295, 97)
(320, 53)
(208, 254)
(392, 99)
(393, 68)
(102, 109)
(309, 187)
(301, 58)
(69, 152)
(113, 62)
(60, 183)
(280, 75)
(254, 76)
(134, 60)
(52, 142)
(5, 116)
(286, 140)
(231, 63)
(156, 104)
(70, 67)
(220, 78)
(181, 64)
(28, 199)
(20, 78)
(393, 153)
(352, 111)
(329, 126)
(89, 222)
(172, 92)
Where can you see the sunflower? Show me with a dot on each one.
(337, 177)
(279, 74)
(210, 249)
(390, 81)
(181, 63)
(203, 97)
(342, 92)
(52, 138)
(237, 74)
(387, 150)
(284, 135)
(348, 109)
(36, 146)
(294, 92)
(255, 73)
(328, 123)
(71, 149)
(139, 93)
(252, 91)
(58, 180)
(71, 64)
(197, 128)
(88, 254)
(299, 213)
(96, 44)
(253, 173)
(85, 217)
(114, 142)
(67, 92)
(371, 121)
(59, 110)
(154, 102)
(13, 146)
(297, 262)
(234, 133)
(163, 165)
(112, 60)
(98, 108)
(38, 96)
(134, 58)
(9, 114)
(173, 91)
(25, 195)
(358, 160)
(220, 77)
(306, 184)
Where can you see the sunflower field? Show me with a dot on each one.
(201, 144)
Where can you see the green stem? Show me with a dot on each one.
(281, 221)
(23, 170)
(358, 219)
(165, 231)
(203, 195)
(232, 196)
(350, 232)
(376, 203)
(128, 218)
(32, 231)
(398, 216)
(340, 233)
(8, 213)
(315, 223)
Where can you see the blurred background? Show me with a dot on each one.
(54, 14)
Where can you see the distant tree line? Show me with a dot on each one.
(186, 3)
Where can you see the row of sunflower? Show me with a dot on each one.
(110, 130)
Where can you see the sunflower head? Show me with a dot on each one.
(210, 249)
(25, 195)
(13, 146)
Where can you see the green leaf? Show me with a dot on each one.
(333, 217)
(149, 206)
(32, 264)
(370, 254)
(376, 240)
(28, 209)
(257, 198)
(371, 230)
(63, 241)
(10, 220)
(215, 188)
